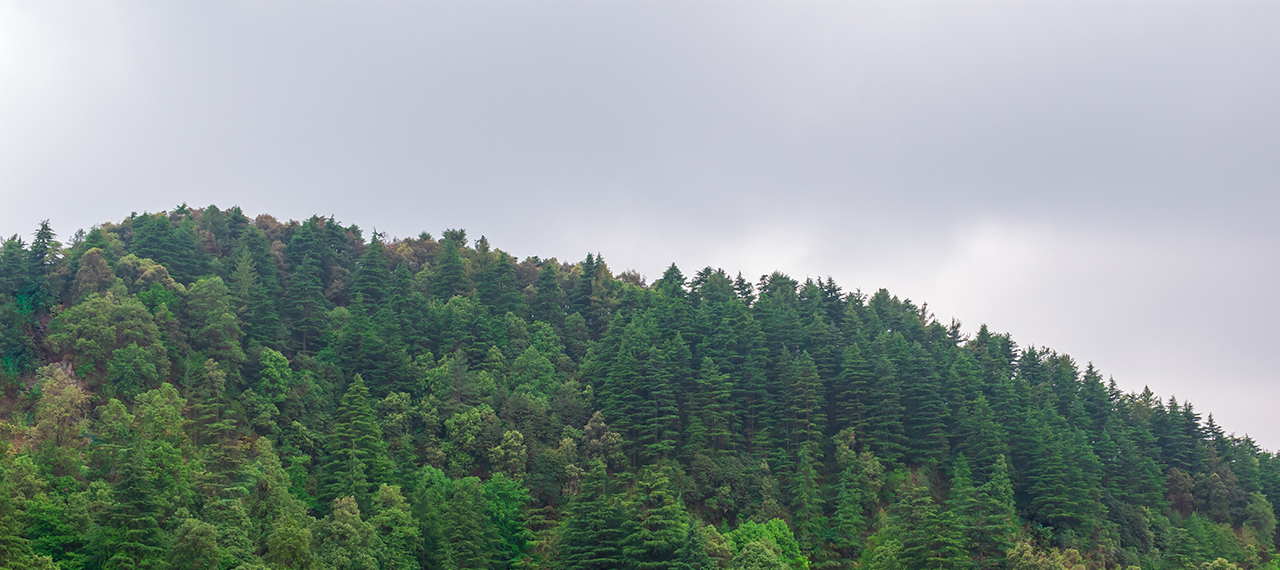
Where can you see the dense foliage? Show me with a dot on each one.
(197, 389)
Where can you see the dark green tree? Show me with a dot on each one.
(358, 453)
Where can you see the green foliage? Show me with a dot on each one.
(344, 541)
(155, 366)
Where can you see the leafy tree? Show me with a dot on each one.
(195, 546)
(344, 541)
(214, 328)
(756, 556)
(111, 329)
(395, 525)
(289, 546)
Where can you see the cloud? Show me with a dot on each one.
(1095, 177)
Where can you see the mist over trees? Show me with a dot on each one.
(198, 389)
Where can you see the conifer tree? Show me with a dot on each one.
(857, 486)
(468, 540)
(358, 452)
(548, 298)
(256, 284)
(591, 536)
(929, 537)
(713, 406)
(15, 549)
(498, 288)
(885, 434)
(215, 331)
(658, 525)
(289, 546)
(807, 502)
(304, 305)
(925, 428)
(133, 539)
(692, 554)
(991, 526)
(448, 277)
(853, 396)
(195, 546)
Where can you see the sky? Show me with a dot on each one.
(1100, 178)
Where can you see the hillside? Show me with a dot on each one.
(198, 389)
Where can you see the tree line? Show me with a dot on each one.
(199, 389)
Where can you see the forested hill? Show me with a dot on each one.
(199, 390)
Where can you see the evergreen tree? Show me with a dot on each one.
(990, 528)
(548, 298)
(133, 538)
(591, 535)
(853, 397)
(357, 450)
(448, 277)
(929, 536)
(885, 434)
(657, 529)
(926, 427)
(255, 284)
(304, 305)
(396, 528)
(469, 540)
(807, 502)
(692, 554)
(857, 486)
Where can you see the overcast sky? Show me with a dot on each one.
(1099, 178)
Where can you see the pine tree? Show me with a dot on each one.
(930, 538)
(358, 452)
(37, 294)
(807, 502)
(657, 528)
(135, 539)
(805, 395)
(256, 285)
(395, 525)
(498, 288)
(215, 331)
(991, 529)
(857, 486)
(712, 406)
(548, 297)
(195, 546)
(304, 305)
(15, 549)
(885, 434)
(926, 428)
(469, 541)
(591, 536)
(448, 277)
(853, 397)
(692, 554)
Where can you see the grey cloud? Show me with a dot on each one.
(1096, 177)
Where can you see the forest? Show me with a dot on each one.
(198, 389)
